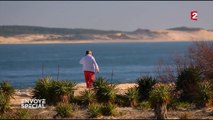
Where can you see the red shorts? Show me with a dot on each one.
(89, 78)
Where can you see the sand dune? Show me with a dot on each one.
(151, 36)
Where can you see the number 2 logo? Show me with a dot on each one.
(194, 15)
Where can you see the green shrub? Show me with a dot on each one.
(87, 97)
(64, 110)
(160, 97)
(145, 84)
(76, 100)
(106, 94)
(6, 92)
(109, 109)
(22, 114)
(145, 105)
(54, 91)
(132, 96)
(100, 82)
(7, 89)
(42, 89)
(104, 91)
(122, 101)
(205, 94)
(94, 110)
(64, 90)
(160, 94)
(181, 105)
(4, 105)
(187, 82)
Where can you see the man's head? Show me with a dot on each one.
(89, 52)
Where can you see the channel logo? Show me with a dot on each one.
(33, 103)
(194, 15)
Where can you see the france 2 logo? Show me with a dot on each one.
(194, 15)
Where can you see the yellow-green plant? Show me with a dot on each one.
(144, 105)
(54, 91)
(108, 109)
(100, 82)
(205, 94)
(64, 110)
(22, 114)
(181, 105)
(132, 96)
(64, 90)
(160, 97)
(87, 97)
(6, 93)
(42, 89)
(145, 84)
(94, 110)
(121, 100)
(7, 89)
(104, 91)
(4, 105)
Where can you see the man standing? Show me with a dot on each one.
(90, 67)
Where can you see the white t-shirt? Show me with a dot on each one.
(89, 63)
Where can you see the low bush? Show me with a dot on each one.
(121, 100)
(100, 82)
(187, 83)
(204, 94)
(6, 93)
(4, 105)
(104, 92)
(54, 91)
(94, 110)
(144, 105)
(87, 97)
(64, 110)
(160, 97)
(145, 84)
(22, 114)
(108, 109)
(132, 96)
(180, 105)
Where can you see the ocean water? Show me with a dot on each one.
(21, 64)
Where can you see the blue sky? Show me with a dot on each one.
(107, 15)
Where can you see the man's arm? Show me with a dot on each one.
(96, 65)
(81, 61)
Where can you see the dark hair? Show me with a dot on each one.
(88, 51)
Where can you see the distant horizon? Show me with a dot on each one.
(109, 29)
